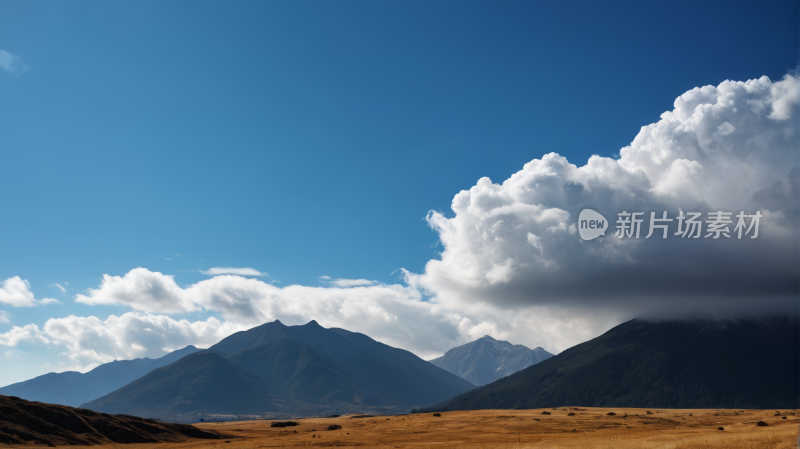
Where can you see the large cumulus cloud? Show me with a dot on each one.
(732, 148)
(512, 264)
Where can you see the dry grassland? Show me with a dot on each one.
(587, 428)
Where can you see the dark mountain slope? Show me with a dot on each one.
(200, 382)
(751, 363)
(306, 373)
(73, 388)
(373, 372)
(485, 360)
(251, 338)
(24, 422)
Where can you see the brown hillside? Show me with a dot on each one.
(37, 423)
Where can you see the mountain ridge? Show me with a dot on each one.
(669, 364)
(274, 368)
(486, 359)
(72, 388)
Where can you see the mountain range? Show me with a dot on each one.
(73, 388)
(485, 360)
(747, 363)
(279, 369)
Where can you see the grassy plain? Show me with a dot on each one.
(587, 428)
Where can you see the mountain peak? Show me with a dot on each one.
(278, 322)
(482, 364)
(312, 323)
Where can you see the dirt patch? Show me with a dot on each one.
(283, 424)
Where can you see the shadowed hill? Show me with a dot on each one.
(202, 382)
(750, 363)
(25, 422)
(485, 360)
(73, 388)
(281, 369)
(352, 367)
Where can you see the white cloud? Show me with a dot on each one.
(4, 317)
(60, 287)
(8, 354)
(246, 271)
(140, 289)
(90, 341)
(17, 293)
(350, 282)
(730, 147)
(12, 64)
(25, 333)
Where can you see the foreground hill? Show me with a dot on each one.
(485, 360)
(749, 363)
(278, 369)
(35, 423)
(73, 388)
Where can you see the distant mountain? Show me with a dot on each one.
(73, 388)
(749, 363)
(203, 382)
(276, 368)
(485, 360)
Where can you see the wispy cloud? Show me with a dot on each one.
(4, 317)
(351, 282)
(13, 64)
(245, 271)
(59, 286)
(346, 282)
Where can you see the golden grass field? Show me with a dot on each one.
(587, 428)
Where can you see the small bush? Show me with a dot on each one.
(335, 416)
(437, 414)
(283, 424)
(720, 428)
(649, 412)
(783, 417)
(545, 413)
(761, 424)
(610, 413)
(334, 427)
(571, 414)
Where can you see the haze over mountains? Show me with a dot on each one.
(748, 363)
(485, 360)
(282, 369)
(73, 388)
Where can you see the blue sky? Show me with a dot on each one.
(310, 138)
